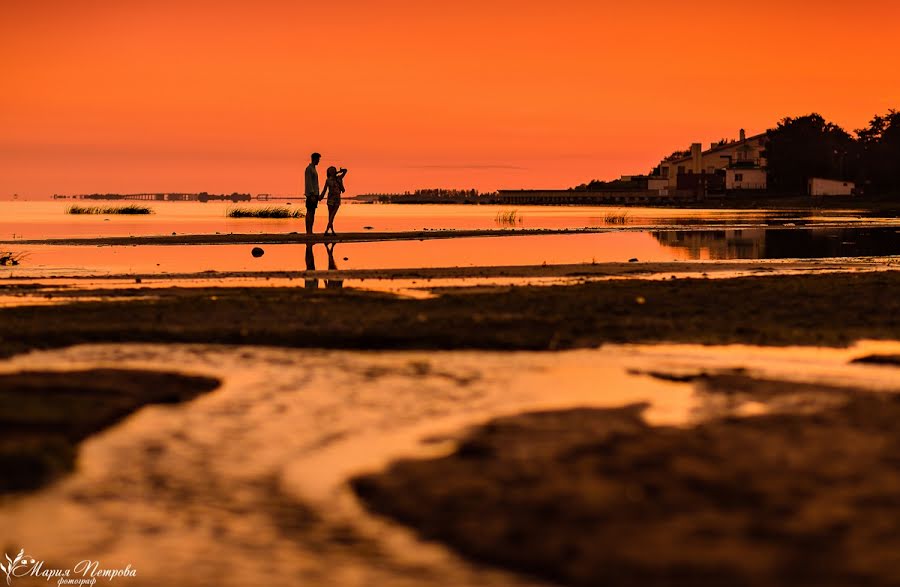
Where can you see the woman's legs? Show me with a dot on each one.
(332, 212)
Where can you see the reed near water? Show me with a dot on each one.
(129, 209)
(267, 212)
(616, 217)
(508, 217)
(10, 259)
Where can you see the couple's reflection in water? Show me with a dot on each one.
(313, 283)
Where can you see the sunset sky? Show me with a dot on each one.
(224, 95)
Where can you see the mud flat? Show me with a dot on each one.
(26, 277)
(830, 310)
(804, 494)
(44, 415)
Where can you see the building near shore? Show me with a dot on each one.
(726, 165)
(830, 187)
(739, 178)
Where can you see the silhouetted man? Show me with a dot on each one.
(312, 191)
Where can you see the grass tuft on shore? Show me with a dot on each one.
(129, 209)
(10, 259)
(508, 217)
(267, 212)
(616, 217)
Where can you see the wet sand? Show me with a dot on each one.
(261, 465)
(804, 495)
(796, 495)
(44, 415)
(660, 269)
(830, 309)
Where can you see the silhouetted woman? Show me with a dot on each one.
(334, 187)
(332, 266)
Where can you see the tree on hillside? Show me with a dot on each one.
(805, 147)
(680, 154)
(880, 146)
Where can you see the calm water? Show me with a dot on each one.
(645, 234)
(37, 220)
(651, 246)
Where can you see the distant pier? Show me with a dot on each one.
(176, 197)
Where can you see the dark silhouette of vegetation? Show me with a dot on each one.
(596, 185)
(267, 212)
(678, 155)
(432, 196)
(879, 149)
(809, 146)
(10, 259)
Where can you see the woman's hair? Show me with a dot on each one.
(332, 171)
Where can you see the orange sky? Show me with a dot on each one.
(232, 95)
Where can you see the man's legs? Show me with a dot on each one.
(310, 217)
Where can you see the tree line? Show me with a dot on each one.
(433, 195)
(810, 146)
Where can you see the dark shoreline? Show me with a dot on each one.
(832, 309)
(571, 270)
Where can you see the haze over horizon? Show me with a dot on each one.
(105, 96)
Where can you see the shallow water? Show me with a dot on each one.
(47, 219)
(619, 246)
(247, 485)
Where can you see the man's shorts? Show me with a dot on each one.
(312, 203)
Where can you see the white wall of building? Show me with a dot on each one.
(745, 179)
(830, 187)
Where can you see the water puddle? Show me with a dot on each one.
(257, 470)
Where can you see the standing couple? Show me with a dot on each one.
(334, 187)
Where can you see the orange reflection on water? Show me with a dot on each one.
(462, 252)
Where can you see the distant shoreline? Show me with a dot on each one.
(887, 203)
(419, 235)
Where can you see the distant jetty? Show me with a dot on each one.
(177, 197)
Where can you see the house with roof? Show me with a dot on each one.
(726, 165)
